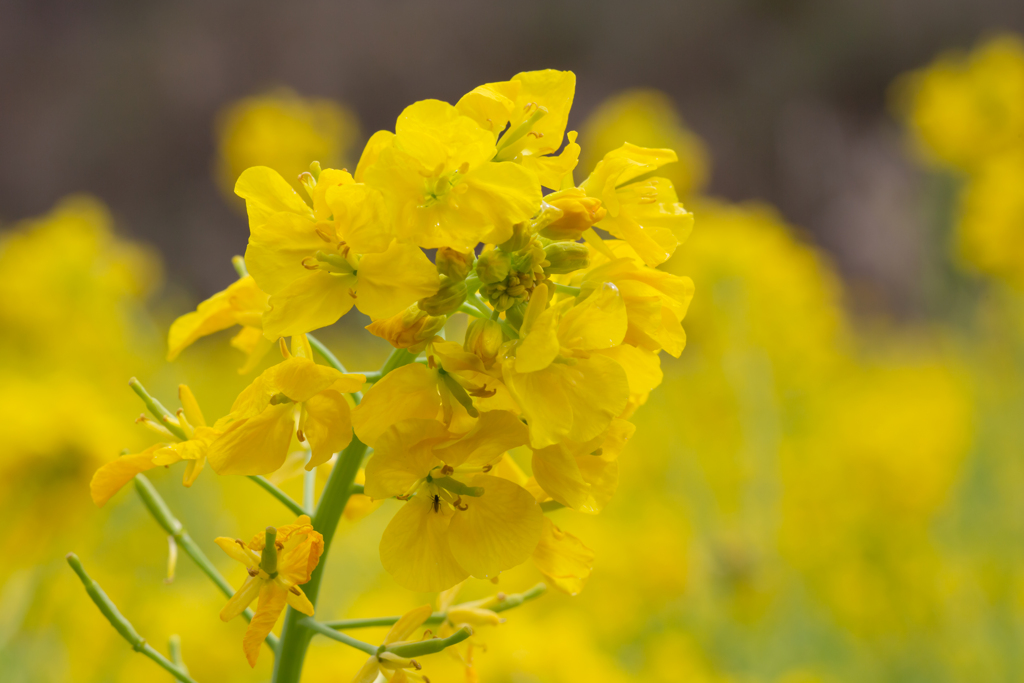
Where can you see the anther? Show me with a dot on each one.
(416, 665)
(446, 470)
(309, 263)
(300, 436)
(322, 235)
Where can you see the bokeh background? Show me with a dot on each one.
(827, 485)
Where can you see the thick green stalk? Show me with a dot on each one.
(122, 625)
(313, 625)
(162, 514)
(295, 636)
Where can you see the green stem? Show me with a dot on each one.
(481, 311)
(566, 289)
(174, 650)
(295, 636)
(357, 488)
(162, 415)
(314, 625)
(162, 514)
(239, 264)
(431, 645)
(508, 602)
(309, 489)
(281, 496)
(122, 625)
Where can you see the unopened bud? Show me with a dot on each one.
(483, 339)
(492, 266)
(565, 257)
(448, 298)
(453, 264)
(521, 236)
(411, 329)
(579, 212)
(514, 315)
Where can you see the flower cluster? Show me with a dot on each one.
(466, 209)
(966, 114)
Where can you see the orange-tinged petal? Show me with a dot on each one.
(498, 530)
(272, 602)
(414, 548)
(109, 478)
(242, 598)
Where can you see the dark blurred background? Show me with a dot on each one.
(119, 99)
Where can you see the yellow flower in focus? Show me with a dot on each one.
(458, 521)
(296, 396)
(454, 387)
(644, 211)
(242, 303)
(317, 262)
(440, 183)
(111, 477)
(529, 113)
(990, 226)
(283, 131)
(389, 665)
(964, 108)
(275, 575)
(647, 118)
(565, 387)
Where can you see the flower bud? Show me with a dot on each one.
(448, 298)
(492, 266)
(483, 339)
(521, 237)
(411, 329)
(579, 212)
(453, 263)
(565, 257)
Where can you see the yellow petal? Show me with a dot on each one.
(272, 602)
(490, 105)
(361, 217)
(493, 433)
(222, 310)
(499, 529)
(300, 378)
(377, 142)
(414, 548)
(402, 456)
(553, 90)
(242, 598)
(407, 624)
(544, 403)
(265, 193)
(597, 322)
(410, 392)
(298, 601)
(556, 471)
(277, 248)
(256, 445)
(237, 552)
(563, 559)
(109, 478)
(540, 346)
(391, 281)
(327, 426)
(315, 299)
(555, 172)
(190, 406)
(253, 344)
(642, 368)
(369, 671)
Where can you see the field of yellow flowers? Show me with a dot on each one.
(807, 496)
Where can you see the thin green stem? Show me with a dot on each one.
(480, 310)
(295, 636)
(332, 360)
(429, 646)
(566, 289)
(162, 514)
(281, 496)
(508, 602)
(162, 415)
(122, 625)
(174, 650)
(314, 625)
